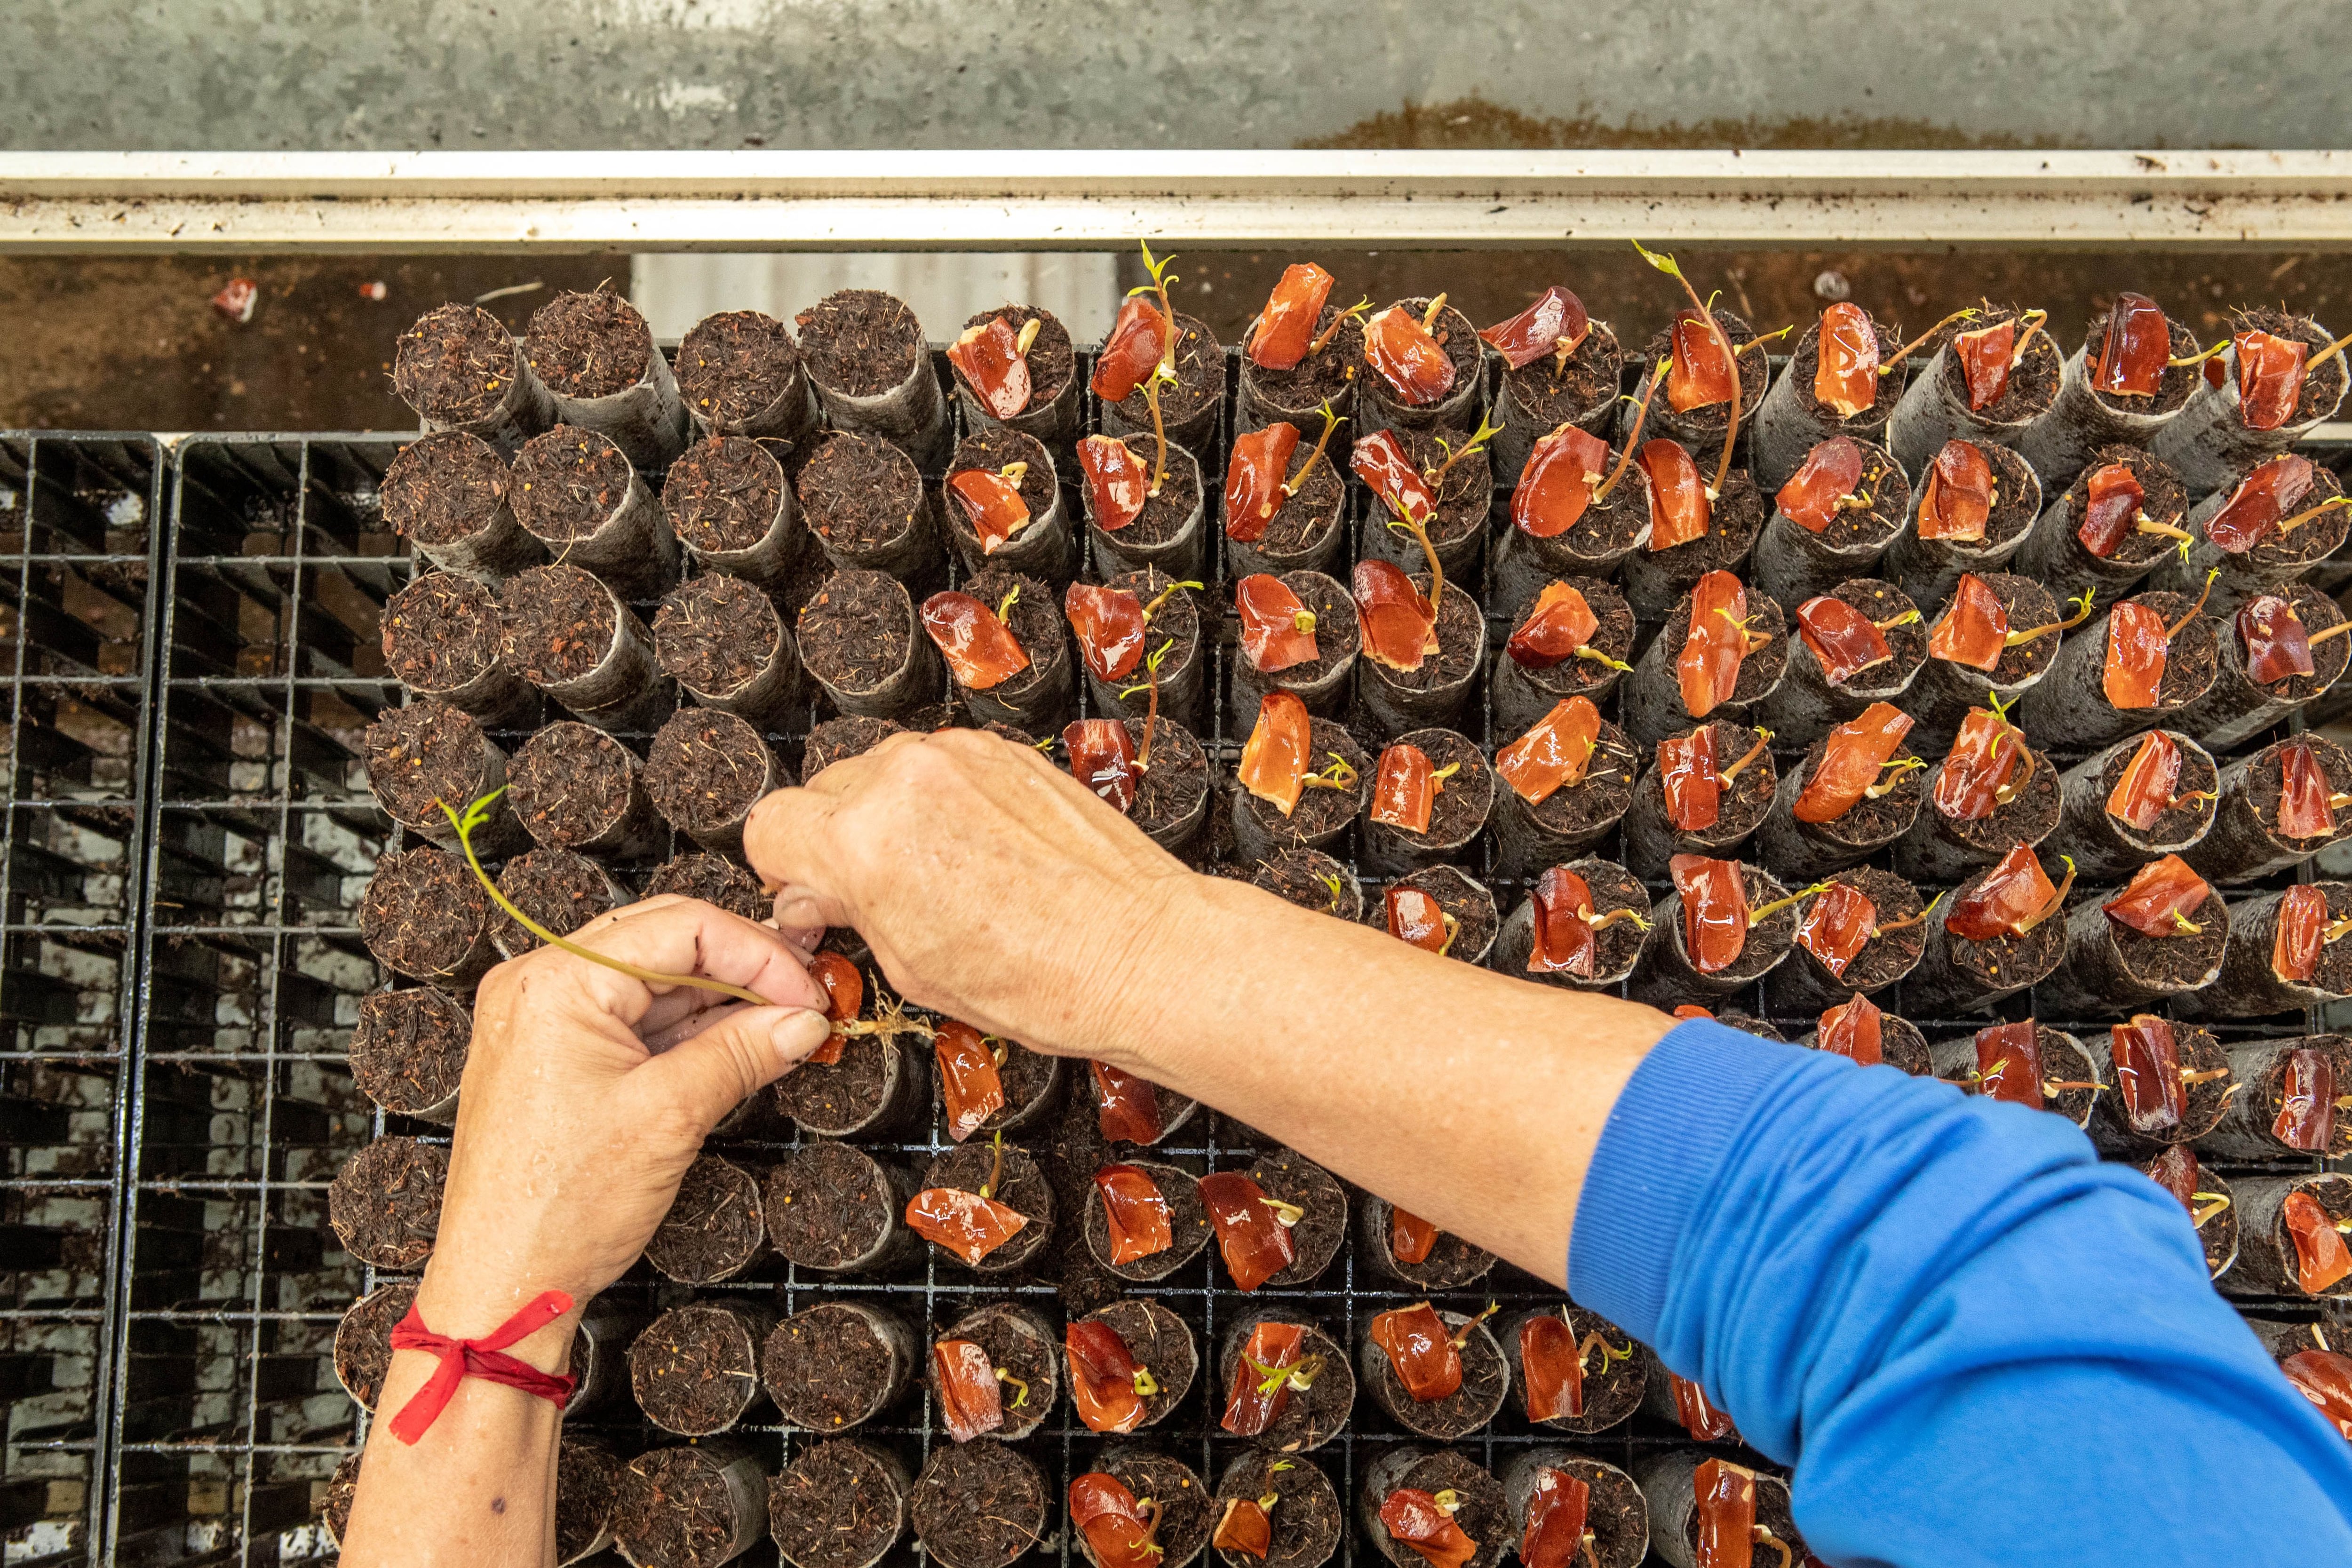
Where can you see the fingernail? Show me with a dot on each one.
(796, 1034)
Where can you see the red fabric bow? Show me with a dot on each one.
(484, 1358)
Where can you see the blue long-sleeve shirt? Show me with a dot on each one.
(1976, 1343)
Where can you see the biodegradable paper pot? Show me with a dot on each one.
(575, 787)
(2055, 556)
(441, 640)
(1935, 409)
(716, 1227)
(1295, 396)
(1667, 976)
(866, 357)
(2246, 1131)
(1048, 545)
(1535, 401)
(2237, 708)
(2064, 1060)
(1308, 1519)
(1606, 536)
(1617, 949)
(583, 346)
(728, 503)
(740, 373)
(1928, 569)
(2280, 559)
(446, 494)
(881, 1086)
(1019, 1341)
(1803, 986)
(1902, 1045)
(431, 753)
(1452, 1264)
(2106, 848)
(1163, 1343)
(587, 1483)
(1483, 1515)
(460, 370)
(2060, 444)
(408, 1051)
(2202, 1108)
(1172, 805)
(979, 1505)
(1652, 839)
(805, 1508)
(1440, 691)
(1463, 804)
(1182, 673)
(2243, 843)
(363, 1344)
(1667, 1482)
(666, 1363)
(1617, 1516)
(1460, 895)
(1039, 698)
(560, 888)
(1177, 549)
(1308, 532)
(1052, 414)
(1460, 407)
(1188, 1224)
(1025, 1188)
(2248, 987)
(1941, 849)
(1189, 410)
(2072, 700)
(1465, 497)
(1653, 707)
(2210, 443)
(673, 1495)
(1321, 816)
(1700, 429)
(865, 504)
(860, 638)
(1789, 423)
(624, 690)
(1957, 975)
(576, 492)
(1322, 683)
(1571, 820)
(1945, 691)
(2266, 1259)
(1794, 564)
(1188, 1517)
(722, 641)
(1614, 1390)
(1520, 695)
(1805, 707)
(1806, 850)
(1655, 579)
(423, 915)
(839, 1210)
(1485, 1382)
(1309, 1419)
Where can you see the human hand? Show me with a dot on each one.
(588, 1093)
(989, 885)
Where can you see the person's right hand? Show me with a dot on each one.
(991, 884)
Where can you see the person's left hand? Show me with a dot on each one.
(587, 1094)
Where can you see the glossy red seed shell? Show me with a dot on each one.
(1551, 1368)
(1957, 500)
(1687, 771)
(1554, 754)
(2321, 1258)
(1697, 1413)
(1556, 484)
(2008, 1063)
(1830, 472)
(980, 650)
(1117, 481)
(1679, 510)
(1274, 758)
(1973, 630)
(2144, 793)
(2324, 1377)
(1702, 373)
(1285, 328)
(2304, 811)
(1714, 909)
(1110, 1518)
(844, 999)
(1420, 1350)
(1110, 627)
(2270, 378)
(990, 359)
(1413, 1519)
(2263, 498)
(1271, 635)
(1404, 790)
(992, 504)
(1135, 1212)
(2012, 893)
(1853, 757)
(2157, 892)
(2276, 642)
(1847, 378)
(2137, 344)
(1256, 1245)
(1707, 667)
(1563, 937)
(1102, 758)
(1411, 1238)
(1558, 1506)
(1254, 478)
(1855, 1030)
(1416, 367)
(971, 1400)
(1126, 1108)
(1380, 461)
(1842, 638)
(1249, 1410)
(2176, 1172)
(1138, 338)
(2306, 1117)
(1416, 917)
(1555, 324)
(2110, 508)
(968, 1082)
(1726, 1514)
(1102, 1376)
(1245, 1528)
(1840, 921)
(2296, 942)
(2147, 1072)
(1559, 624)
(2138, 648)
(966, 1224)
(1400, 624)
(1984, 361)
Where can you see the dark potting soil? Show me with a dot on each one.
(1463, 801)
(2167, 502)
(2323, 383)
(1186, 1516)
(858, 492)
(1160, 1342)
(1306, 1520)
(2333, 1193)
(1304, 877)
(714, 1226)
(1992, 962)
(1200, 378)
(1883, 601)
(1036, 623)
(825, 1367)
(1885, 957)
(836, 1506)
(2200, 1052)
(567, 483)
(675, 1509)
(1289, 1177)
(1459, 644)
(1485, 1382)
(1019, 1342)
(422, 754)
(2219, 1235)
(1308, 518)
(1748, 798)
(454, 366)
(1318, 811)
(1753, 372)
(1484, 1516)
(978, 1504)
(1614, 888)
(734, 365)
(2028, 818)
(561, 888)
(1176, 782)
(2029, 604)
(707, 769)
(1452, 1264)
(2033, 384)
(1737, 518)
(2269, 1091)
(1310, 1418)
(861, 342)
(1889, 504)
(571, 782)
(2172, 389)
(992, 448)
(1339, 636)
(1904, 1047)
(2015, 503)
(1028, 1077)
(834, 1097)
(2317, 612)
(1603, 794)
(2311, 541)
(1615, 1514)
(1169, 509)
(342, 1490)
(1188, 1223)
(1733, 1018)
(832, 739)
(2192, 653)
(2174, 961)
(1176, 621)
(1052, 360)
(1771, 1512)
(715, 879)
(1024, 1189)
(1611, 524)
(448, 487)
(1613, 637)
(385, 1203)
(422, 912)
(441, 632)
(1546, 395)
(588, 345)
(587, 1484)
(1869, 821)
(1807, 359)
(1760, 670)
(829, 1203)
(856, 633)
(1459, 895)
(364, 1339)
(1767, 939)
(1319, 377)
(2262, 785)
(558, 623)
(1465, 496)
(408, 1049)
(721, 494)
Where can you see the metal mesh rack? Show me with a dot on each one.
(251, 832)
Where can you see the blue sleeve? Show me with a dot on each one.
(1976, 1343)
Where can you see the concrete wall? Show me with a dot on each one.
(178, 74)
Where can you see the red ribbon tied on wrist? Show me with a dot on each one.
(483, 1358)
